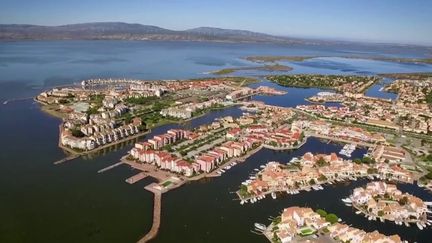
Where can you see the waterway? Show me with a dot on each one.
(71, 202)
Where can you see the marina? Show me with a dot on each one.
(78, 179)
(347, 150)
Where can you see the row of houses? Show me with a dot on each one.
(186, 111)
(98, 138)
(385, 200)
(227, 150)
(159, 141)
(294, 219)
(164, 161)
(317, 168)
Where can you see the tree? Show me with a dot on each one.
(63, 101)
(331, 218)
(368, 160)
(322, 178)
(77, 133)
(321, 212)
(321, 162)
(128, 118)
(403, 200)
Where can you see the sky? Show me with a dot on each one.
(395, 21)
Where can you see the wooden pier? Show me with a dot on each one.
(110, 167)
(136, 178)
(70, 157)
(156, 214)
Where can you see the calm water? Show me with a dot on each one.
(41, 202)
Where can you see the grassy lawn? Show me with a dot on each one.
(166, 183)
(306, 231)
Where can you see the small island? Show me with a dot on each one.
(384, 201)
(340, 83)
(269, 68)
(311, 172)
(272, 59)
(264, 59)
(299, 224)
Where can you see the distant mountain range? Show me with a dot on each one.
(125, 31)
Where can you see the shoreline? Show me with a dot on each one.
(73, 154)
(382, 219)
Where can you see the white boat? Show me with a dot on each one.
(273, 195)
(419, 226)
(260, 226)
(256, 169)
(242, 202)
(358, 212)
(346, 200)
(407, 224)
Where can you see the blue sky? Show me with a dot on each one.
(399, 21)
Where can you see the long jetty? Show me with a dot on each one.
(136, 178)
(156, 214)
(110, 167)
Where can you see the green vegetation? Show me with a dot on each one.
(206, 110)
(77, 133)
(243, 192)
(93, 110)
(225, 71)
(63, 101)
(306, 231)
(419, 76)
(317, 81)
(321, 162)
(270, 68)
(322, 178)
(403, 200)
(140, 100)
(429, 98)
(260, 59)
(372, 170)
(331, 218)
(365, 160)
(321, 212)
(183, 150)
(166, 183)
(277, 220)
(275, 238)
(97, 98)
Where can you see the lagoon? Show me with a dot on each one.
(42, 202)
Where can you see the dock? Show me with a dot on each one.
(136, 178)
(110, 167)
(156, 214)
(70, 157)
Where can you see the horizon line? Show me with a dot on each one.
(303, 37)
